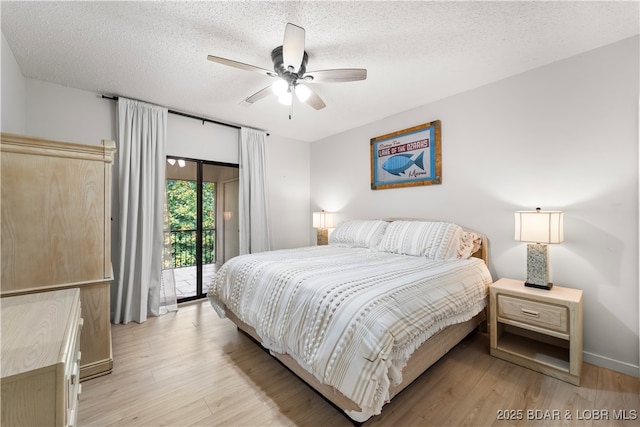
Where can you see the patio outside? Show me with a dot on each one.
(185, 278)
(183, 253)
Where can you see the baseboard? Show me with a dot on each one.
(614, 365)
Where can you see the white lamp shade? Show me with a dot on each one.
(302, 92)
(279, 87)
(539, 226)
(323, 219)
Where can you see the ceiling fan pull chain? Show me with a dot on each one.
(291, 109)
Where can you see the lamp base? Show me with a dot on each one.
(548, 286)
(538, 266)
(322, 236)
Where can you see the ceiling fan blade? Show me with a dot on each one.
(336, 76)
(293, 47)
(315, 101)
(241, 65)
(262, 93)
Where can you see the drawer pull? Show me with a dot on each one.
(530, 312)
(74, 375)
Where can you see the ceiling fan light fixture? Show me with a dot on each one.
(290, 72)
(280, 87)
(285, 98)
(302, 92)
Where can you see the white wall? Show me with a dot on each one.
(74, 115)
(289, 186)
(563, 136)
(190, 138)
(67, 114)
(13, 92)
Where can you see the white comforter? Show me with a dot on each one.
(350, 316)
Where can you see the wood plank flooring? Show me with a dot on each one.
(193, 368)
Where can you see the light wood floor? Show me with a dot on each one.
(192, 368)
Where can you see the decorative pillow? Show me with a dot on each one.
(469, 243)
(358, 233)
(434, 240)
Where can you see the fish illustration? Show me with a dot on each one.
(399, 163)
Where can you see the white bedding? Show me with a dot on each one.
(350, 316)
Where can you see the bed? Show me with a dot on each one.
(360, 318)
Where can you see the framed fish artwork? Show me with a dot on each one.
(407, 158)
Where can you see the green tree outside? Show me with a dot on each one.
(182, 206)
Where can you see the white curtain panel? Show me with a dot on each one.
(168, 299)
(254, 206)
(142, 137)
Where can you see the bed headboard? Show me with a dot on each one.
(482, 252)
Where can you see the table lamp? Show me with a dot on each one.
(322, 221)
(539, 228)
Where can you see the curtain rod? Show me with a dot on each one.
(178, 113)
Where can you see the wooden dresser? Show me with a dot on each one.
(56, 231)
(40, 358)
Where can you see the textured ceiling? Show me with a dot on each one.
(415, 52)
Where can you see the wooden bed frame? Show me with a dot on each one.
(425, 356)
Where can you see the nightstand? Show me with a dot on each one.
(537, 328)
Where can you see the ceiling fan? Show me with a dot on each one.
(290, 68)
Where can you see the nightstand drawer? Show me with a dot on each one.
(534, 313)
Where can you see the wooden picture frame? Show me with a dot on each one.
(407, 158)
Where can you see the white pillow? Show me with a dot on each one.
(434, 240)
(470, 242)
(358, 233)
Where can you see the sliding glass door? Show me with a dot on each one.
(198, 222)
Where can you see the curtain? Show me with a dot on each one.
(142, 130)
(168, 299)
(254, 221)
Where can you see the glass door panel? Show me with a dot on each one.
(182, 201)
(198, 245)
